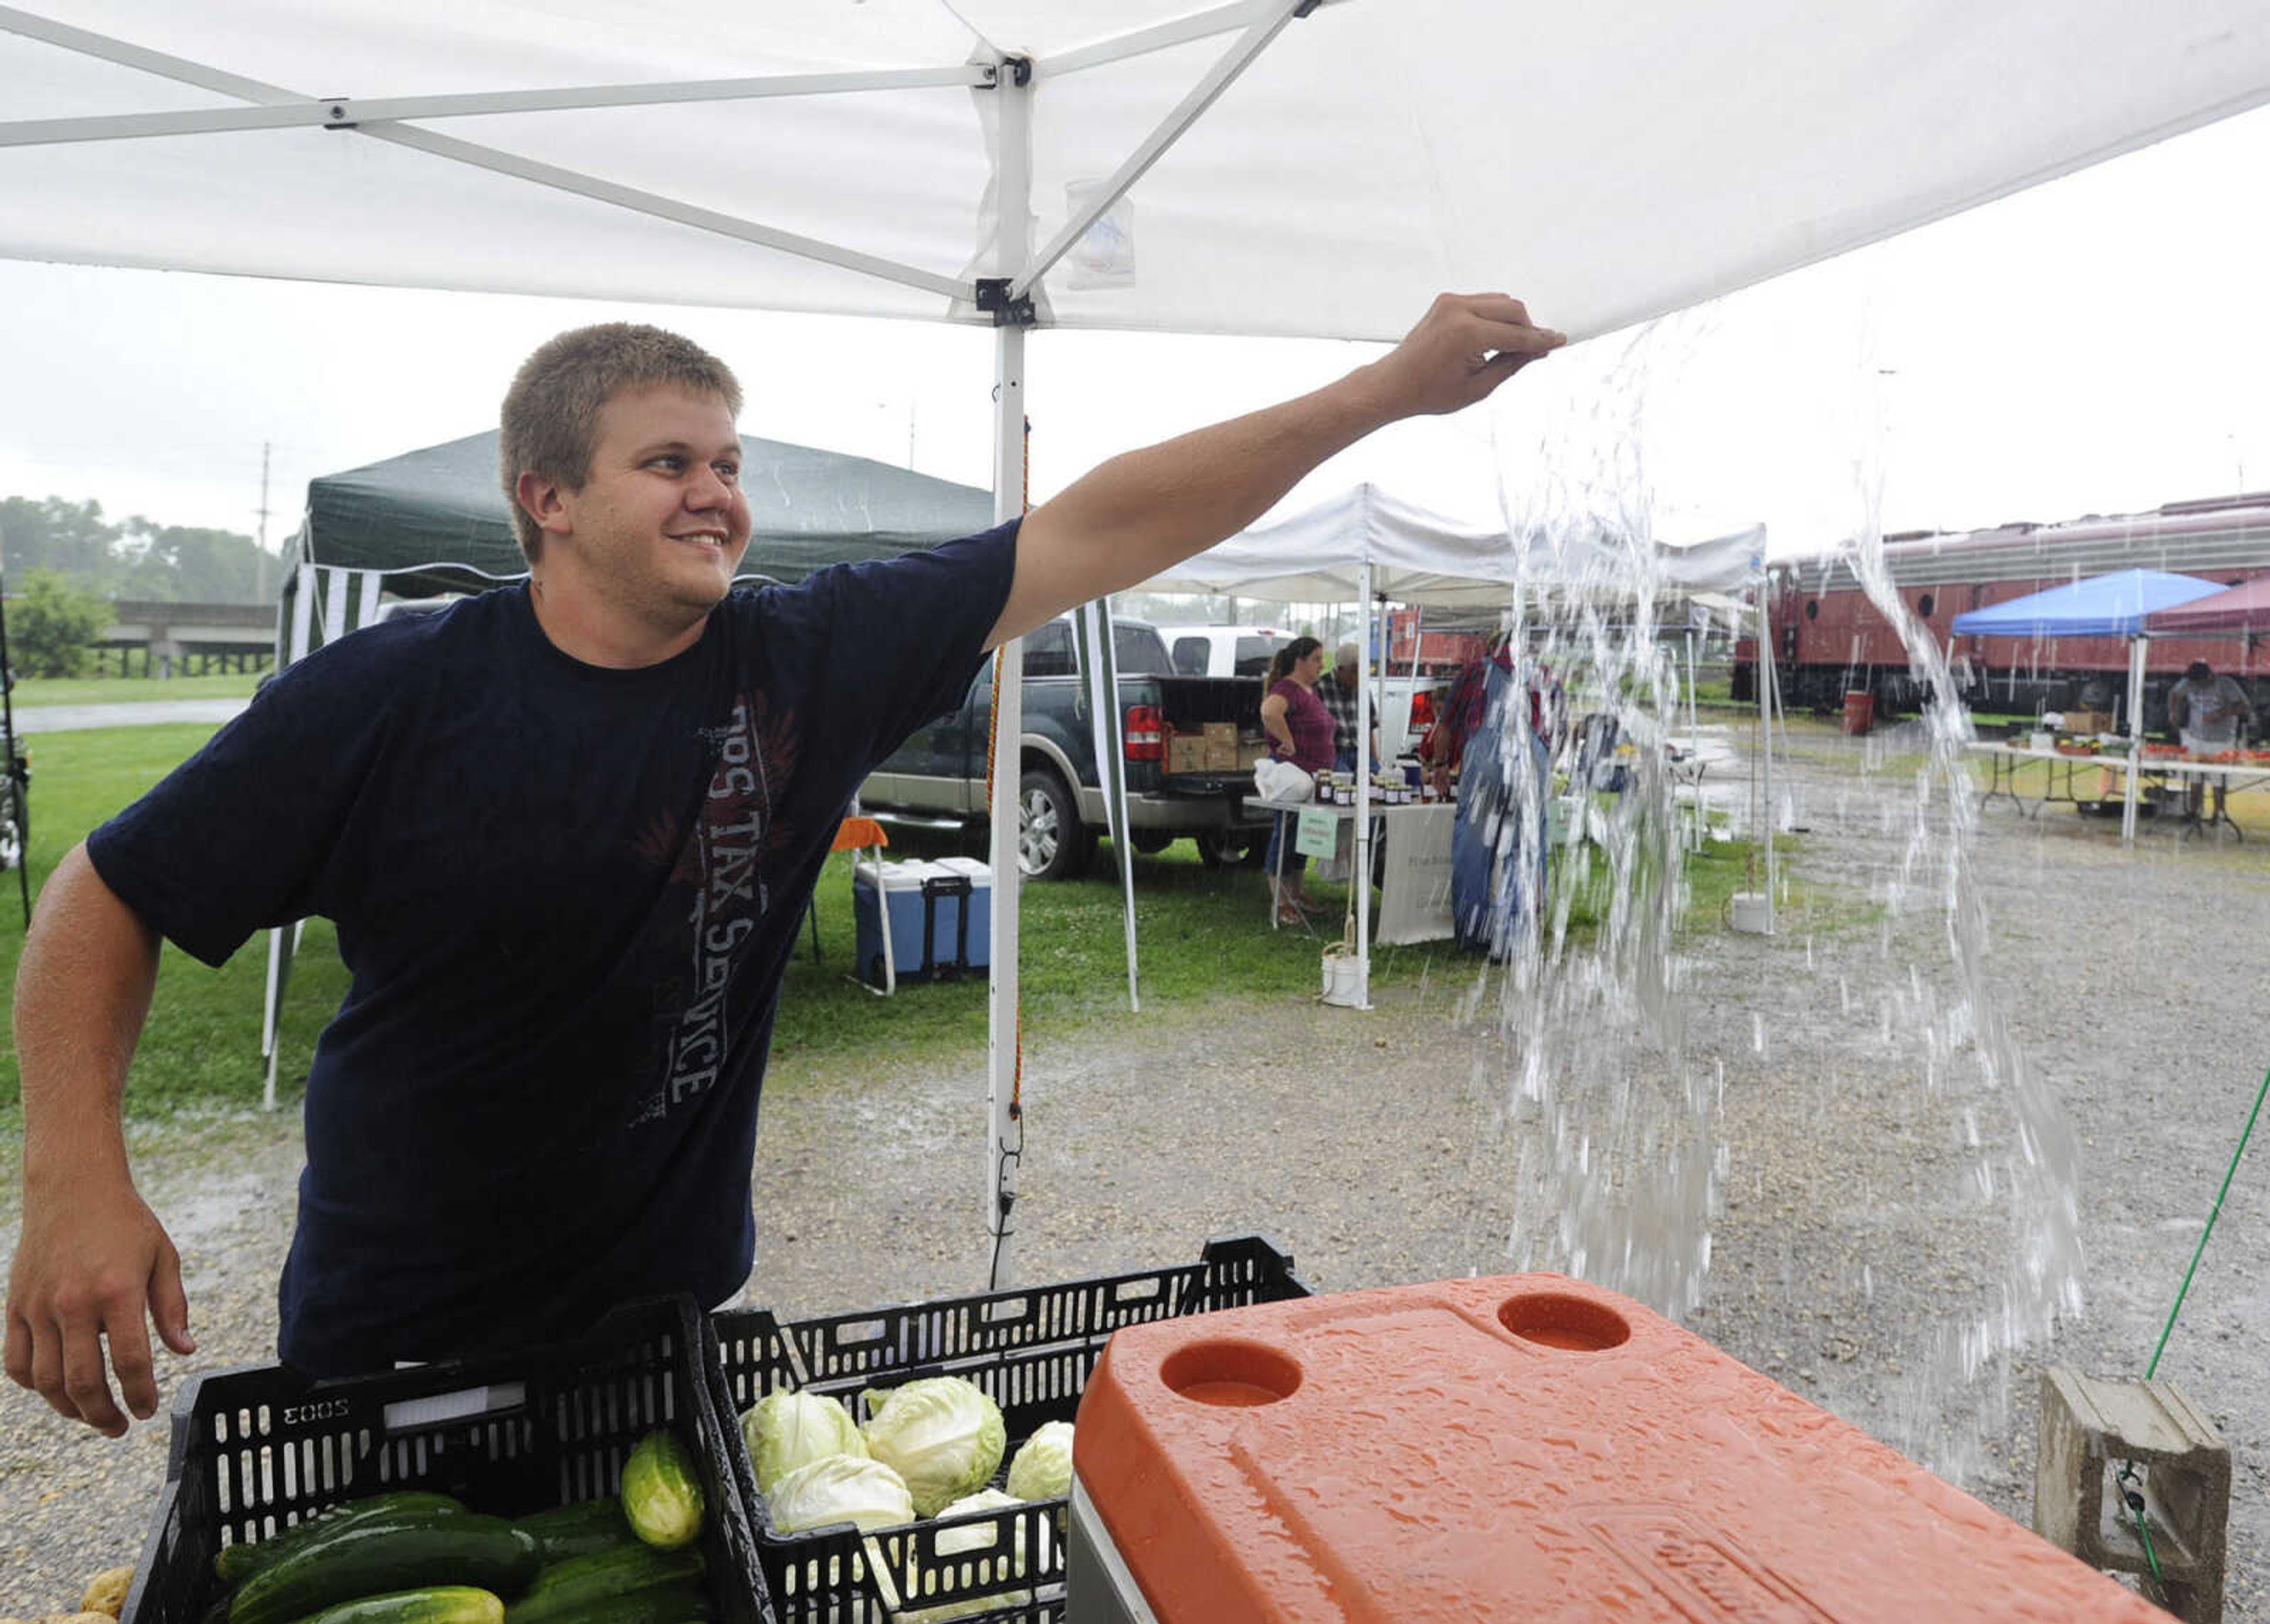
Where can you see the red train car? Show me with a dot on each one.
(1830, 639)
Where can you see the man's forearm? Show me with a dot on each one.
(82, 994)
(1142, 513)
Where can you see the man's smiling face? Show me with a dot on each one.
(661, 522)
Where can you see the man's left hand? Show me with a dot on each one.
(1463, 347)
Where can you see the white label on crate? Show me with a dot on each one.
(465, 1401)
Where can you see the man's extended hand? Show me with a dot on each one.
(1463, 347)
(89, 1266)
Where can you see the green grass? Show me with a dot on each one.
(32, 692)
(1203, 935)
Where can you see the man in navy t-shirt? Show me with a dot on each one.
(566, 830)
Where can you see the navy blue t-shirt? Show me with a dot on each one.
(565, 895)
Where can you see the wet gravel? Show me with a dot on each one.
(1375, 1147)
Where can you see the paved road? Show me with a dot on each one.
(66, 718)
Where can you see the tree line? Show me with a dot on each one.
(134, 558)
(66, 564)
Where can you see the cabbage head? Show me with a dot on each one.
(839, 1488)
(941, 1434)
(967, 1542)
(1042, 1467)
(785, 1430)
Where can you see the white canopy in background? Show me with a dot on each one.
(1367, 547)
(1416, 557)
(1606, 162)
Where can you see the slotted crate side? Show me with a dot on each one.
(258, 1451)
(1030, 1349)
(1232, 1273)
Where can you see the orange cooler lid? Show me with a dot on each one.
(1522, 1448)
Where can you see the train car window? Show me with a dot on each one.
(1926, 604)
(1813, 609)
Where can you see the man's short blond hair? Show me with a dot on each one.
(550, 423)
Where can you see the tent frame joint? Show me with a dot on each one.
(338, 117)
(992, 296)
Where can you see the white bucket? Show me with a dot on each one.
(1343, 980)
(1751, 914)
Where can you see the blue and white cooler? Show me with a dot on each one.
(939, 924)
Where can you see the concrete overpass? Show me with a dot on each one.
(187, 639)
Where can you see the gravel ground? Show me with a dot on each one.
(1848, 1236)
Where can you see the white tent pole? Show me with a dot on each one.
(1767, 690)
(1099, 657)
(2136, 647)
(349, 113)
(1203, 95)
(1143, 42)
(1004, 1069)
(1360, 880)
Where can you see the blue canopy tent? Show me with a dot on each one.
(2113, 605)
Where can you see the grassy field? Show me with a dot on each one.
(32, 692)
(1202, 934)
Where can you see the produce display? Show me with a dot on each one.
(419, 1557)
(104, 1600)
(787, 1429)
(942, 1434)
(929, 1449)
(662, 1494)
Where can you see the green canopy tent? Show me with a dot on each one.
(435, 521)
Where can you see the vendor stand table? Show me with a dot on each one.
(1415, 844)
(2004, 760)
(2003, 763)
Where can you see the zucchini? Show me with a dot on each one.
(609, 1576)
(662, 1496)
(236, 1563)
(578, 1530)
(380, 1556)
(436, 1604)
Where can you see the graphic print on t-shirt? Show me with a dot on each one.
(720, 867)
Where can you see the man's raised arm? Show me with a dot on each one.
(92, 1258)
(1141, 513)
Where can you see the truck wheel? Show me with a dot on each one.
(1052, 843)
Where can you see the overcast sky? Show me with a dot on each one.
(2097, 345)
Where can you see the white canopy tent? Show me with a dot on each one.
(1258, 166)
(1372, 548)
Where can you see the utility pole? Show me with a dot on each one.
(260, 542)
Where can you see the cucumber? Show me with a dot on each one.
(662, 1496)
(609, 1576)
(236, 1563)
(436, 1604)
(380, 1556)
(681, 1603)
(579, 1529)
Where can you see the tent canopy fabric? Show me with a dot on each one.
(2113, 605)
(1417, 557)
(1338, 162)
(437, 519)
(2243, 610)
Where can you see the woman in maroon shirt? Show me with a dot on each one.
(1300, 728)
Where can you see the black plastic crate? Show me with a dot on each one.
(1030, 1349)
(261, 1449)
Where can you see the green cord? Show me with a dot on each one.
(2216, 1212)
(2137, 1511)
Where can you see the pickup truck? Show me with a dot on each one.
(938, 774)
